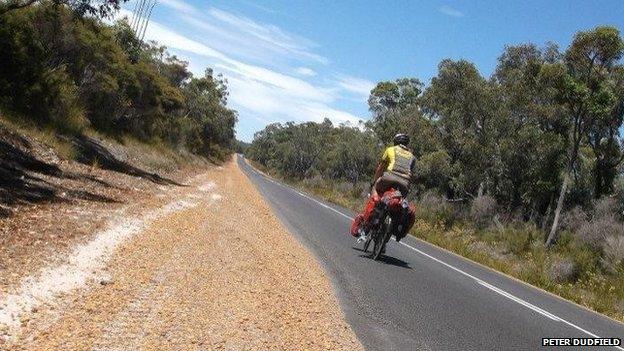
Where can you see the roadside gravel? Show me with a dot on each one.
(220, 274)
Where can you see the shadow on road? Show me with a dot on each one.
(393, 261)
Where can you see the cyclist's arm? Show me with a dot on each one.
(383, 165)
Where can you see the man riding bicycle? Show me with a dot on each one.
(394, 171)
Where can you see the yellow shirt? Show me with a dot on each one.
(400, 160)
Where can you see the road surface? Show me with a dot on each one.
(421, 297)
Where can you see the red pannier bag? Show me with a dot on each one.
(394, 202)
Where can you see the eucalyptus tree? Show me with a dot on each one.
(531, 146)
(101, 8)
(582, 85)
(605, 139)
(388, 103)
(465, 108)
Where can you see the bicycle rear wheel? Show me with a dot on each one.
(381, 238)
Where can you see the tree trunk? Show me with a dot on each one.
(547, 215)
(598, 180)
(481, 190)
(553, 229)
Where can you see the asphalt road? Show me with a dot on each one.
(421, 297)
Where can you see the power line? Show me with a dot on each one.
(139, 16)
(149, 15)
(134, 13)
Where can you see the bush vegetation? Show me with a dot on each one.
(521, 171)
(64, 69)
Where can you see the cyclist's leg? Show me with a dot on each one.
(360, 222)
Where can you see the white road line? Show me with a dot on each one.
(327, 207)
(520, 301)
(481, 282)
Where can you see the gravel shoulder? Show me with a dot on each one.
(220, 272)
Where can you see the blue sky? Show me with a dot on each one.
(307, 60)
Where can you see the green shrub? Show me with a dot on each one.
(314, 182)
(574, 219)
(585, 258)
(68, 73)
(434, 209)
(517, 240)
(605, 207)
(594, 232)
(62, 103)
(483, 210)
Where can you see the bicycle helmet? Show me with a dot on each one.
(401, 139)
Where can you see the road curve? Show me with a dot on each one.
(421, 297)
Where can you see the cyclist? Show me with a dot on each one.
(394, 171)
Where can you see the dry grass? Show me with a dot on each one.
(613, 258)
(154, 157)
(48, 137)
(561, 270)
(483, 210)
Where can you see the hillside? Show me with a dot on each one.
(50, 203)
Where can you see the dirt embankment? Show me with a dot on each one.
(211, 269)
(49, 204)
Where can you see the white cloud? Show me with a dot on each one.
(291, 86)
(264, 92)
(245, 39)
(243, 46)
(450, 11)
(355, 85)
(305, 71)
(259, 7)
(179, 5)
(268, 37)
(276, 104)
(260, 94)
(165, 36)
